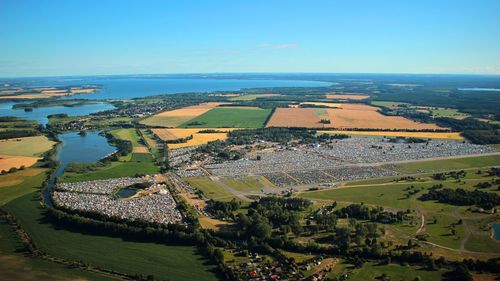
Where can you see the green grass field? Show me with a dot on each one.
(230, 117)
(19, 183)
(449, 164)
(371, 271)
(243, 184)
(115, 170)
(30, 146)
(165, 262)
(210, 188)
(388, 104)
(446, 112)
(14, 265)
(128, 134)
(165, 121)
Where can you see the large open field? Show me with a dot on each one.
(343, 116)
(174, 118)
(368, 117)
(449, 164)
(230, 117)
(164, 262)
(139, 163)
(28, 146)
(210, 189)
(198, 138)
(15, 265)
(295, 117)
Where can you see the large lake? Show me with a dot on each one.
(81, 149)
(130, 87)
(40, 114)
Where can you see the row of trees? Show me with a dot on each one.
(463, 197)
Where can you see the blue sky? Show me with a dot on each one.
(373, 36)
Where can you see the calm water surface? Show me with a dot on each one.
(40, 114)
(81, 149)
(496, 231)
(129, 87)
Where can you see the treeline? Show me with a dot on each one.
(10, 134)
(474, 130)
(462, 197)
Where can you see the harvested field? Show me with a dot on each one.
(353, 117)
(18, 177)
(28, 146)
(198, 138)
(344, 116)
(8, 161)
(347, 96)
(295, 117)
(425, 135)
(174, 118)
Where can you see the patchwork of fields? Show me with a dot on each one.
(19, 152)
(174, 118)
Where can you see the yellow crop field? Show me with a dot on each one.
(344, 116)
(28, 146)
(19, 176)
(174, 118)
(198, 138)
(9, 161)
(425, 135)
(355, 117)
(295, 117)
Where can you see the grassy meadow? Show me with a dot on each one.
(230, 117)
(210, 189)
